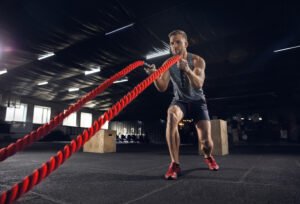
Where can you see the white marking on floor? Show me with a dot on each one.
(154, 191)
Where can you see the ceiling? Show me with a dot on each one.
(236, 38)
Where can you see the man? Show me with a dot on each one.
(187, 77)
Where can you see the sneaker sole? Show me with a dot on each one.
(214, 169)
(170, 178)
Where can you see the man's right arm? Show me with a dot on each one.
(162, 82)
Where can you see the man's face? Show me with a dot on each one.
(178, 44)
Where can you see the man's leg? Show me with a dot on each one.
(175, 115)
(173, 140)
(203, 128)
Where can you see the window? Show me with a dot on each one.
(71, 120)
(105, 125)
(41, 114)
(17, 113)
(86, 120)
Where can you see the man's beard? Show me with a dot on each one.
(178, 52)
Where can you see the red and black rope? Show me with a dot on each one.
(61, 156)
(35, 135)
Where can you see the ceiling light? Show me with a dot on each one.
(288, 48)
(121, 81)
(90, 104)
(50, 54)
(158, 54)
(4, 71)
(73, 89)
(119, 29)
(92, 71)
(43, 83)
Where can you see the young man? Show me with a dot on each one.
(187, 77)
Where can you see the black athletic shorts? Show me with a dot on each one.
(196, 110)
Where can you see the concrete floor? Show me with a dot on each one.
(135, 175)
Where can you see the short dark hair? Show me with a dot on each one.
(176, 32)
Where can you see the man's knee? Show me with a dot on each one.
(173, 116)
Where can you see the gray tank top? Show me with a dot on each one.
(184, 92)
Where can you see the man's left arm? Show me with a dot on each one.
(197, 76)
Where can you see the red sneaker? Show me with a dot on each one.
(212, 164)
(177, 169)
(173, 171)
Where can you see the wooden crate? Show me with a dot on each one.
(219, 137)
(103, 141)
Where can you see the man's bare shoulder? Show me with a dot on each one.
(198, 60)
(197, 57)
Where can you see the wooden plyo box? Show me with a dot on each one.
(103, 141)
(219, 137)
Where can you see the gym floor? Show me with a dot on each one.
(257, 174)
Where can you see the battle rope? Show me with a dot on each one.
(61, 156)
(35, 135)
